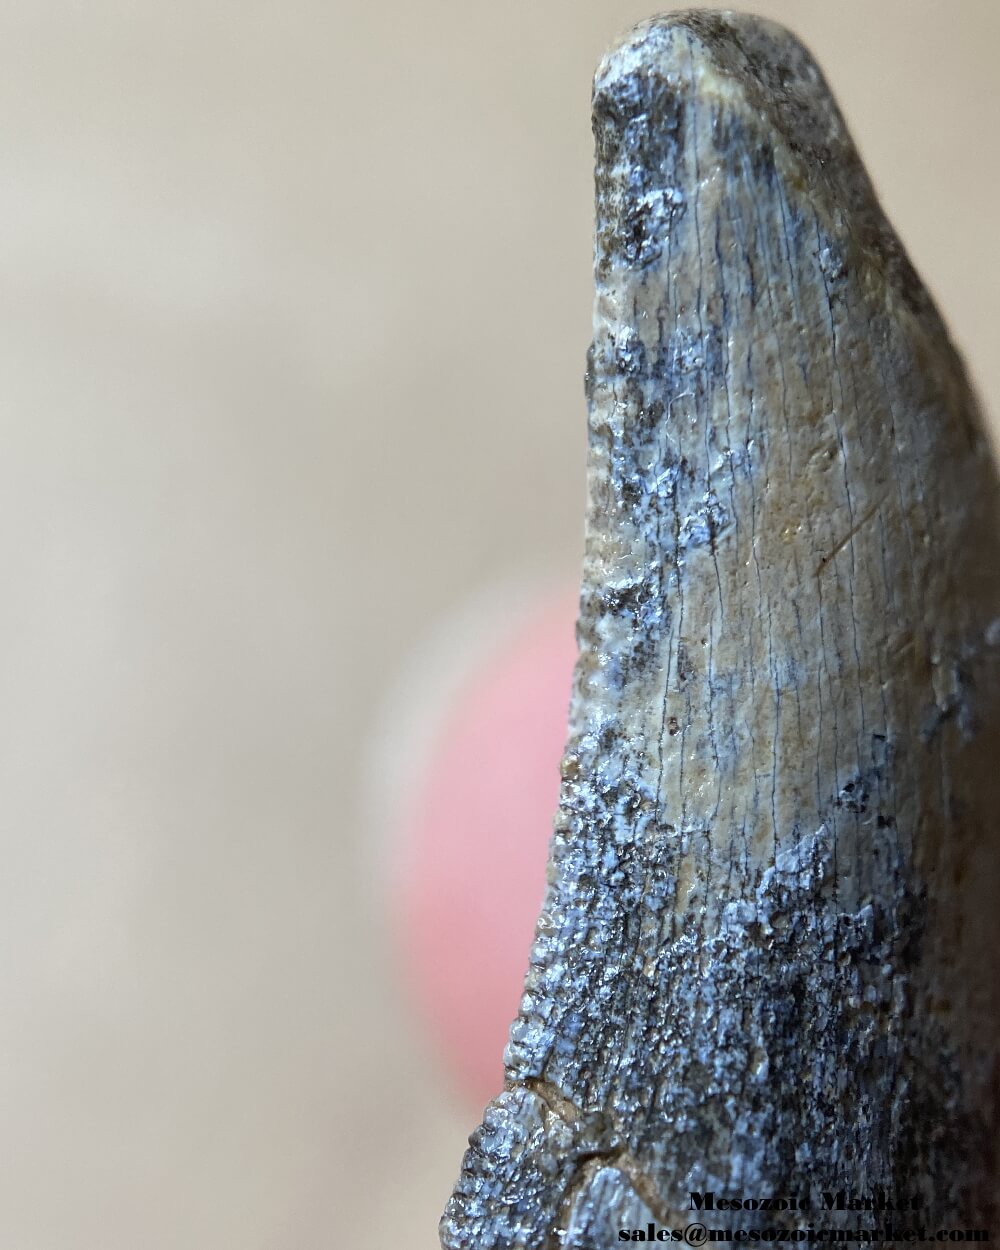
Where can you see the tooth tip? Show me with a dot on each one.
(711, 38)
(719, 53)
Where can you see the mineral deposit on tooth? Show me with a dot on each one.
(766, 959)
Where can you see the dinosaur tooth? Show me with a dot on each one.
(766, 960)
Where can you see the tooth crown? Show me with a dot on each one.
(763, 963)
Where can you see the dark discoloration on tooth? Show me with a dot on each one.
(763, 963)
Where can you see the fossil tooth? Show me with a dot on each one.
(766, 961)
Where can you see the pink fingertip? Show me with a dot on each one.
(476, 833)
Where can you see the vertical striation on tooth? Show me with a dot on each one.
(766, 959)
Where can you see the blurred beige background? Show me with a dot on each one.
(295, 304)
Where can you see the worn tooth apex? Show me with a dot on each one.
(766, 962)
